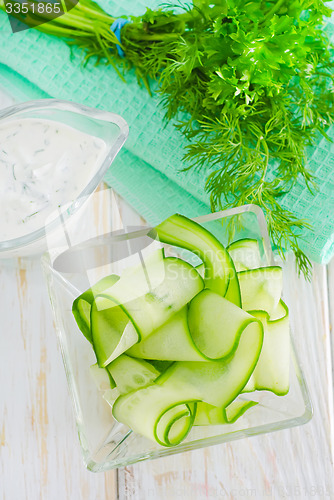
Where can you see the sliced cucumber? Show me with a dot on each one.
(245, 254)
(212, 415)
(160, 414)
(112, 332)
(272, 370)
(218, 382)
(172, 341)
(131, 374)
(184, 383)
(261, 288)
(210, 329)
(102, 378)
(118, 323)
(150, 261)
(82, 304)
(201, 270)
(110, 396)
(216, 325)
(220, 274)
(236, 409)
(160, 365)
(191, 351)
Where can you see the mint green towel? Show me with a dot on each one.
(147, 172)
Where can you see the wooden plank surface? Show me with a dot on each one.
(330, 281)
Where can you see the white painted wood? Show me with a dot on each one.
(330, 280)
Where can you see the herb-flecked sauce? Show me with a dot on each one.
(43, 165)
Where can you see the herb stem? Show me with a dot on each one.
(159, 38)
(267, 156)
(72, 20)
(63, 4)
(60, 31)
(273, 10)
(94, 13)
(108, 56)
(68, 19)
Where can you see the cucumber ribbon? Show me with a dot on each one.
(174, 340)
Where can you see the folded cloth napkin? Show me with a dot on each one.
(148, 171)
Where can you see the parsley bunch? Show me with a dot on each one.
(250, 84)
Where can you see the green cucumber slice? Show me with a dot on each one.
(102, 378)
(212, 415)
(172, 341)
(82, 304)
(185, 383)
(174, 424)
(150, 260)
(272, 370)
(201, 270)
(205, 350)
(220, 274)
(209, 329)
(160, 365)
(236, 409)
(110, 396)
(112, 332)
(161, 415)
(218, 382)
(118, 323)
(130, 374)
(261, 288)
(216, 325)
(233, 293)
(245, 254)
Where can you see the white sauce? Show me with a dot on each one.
(43, 165)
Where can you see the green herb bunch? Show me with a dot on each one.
(249, 83)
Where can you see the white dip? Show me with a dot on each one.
(43, 165)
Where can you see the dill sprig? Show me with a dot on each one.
(250, 84)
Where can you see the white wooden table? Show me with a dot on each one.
(40, 456)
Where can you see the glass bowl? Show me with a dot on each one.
(78, 264)
(109, 127)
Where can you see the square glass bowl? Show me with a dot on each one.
(105, 443)
(111, 128)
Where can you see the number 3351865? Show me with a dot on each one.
(34, 7)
